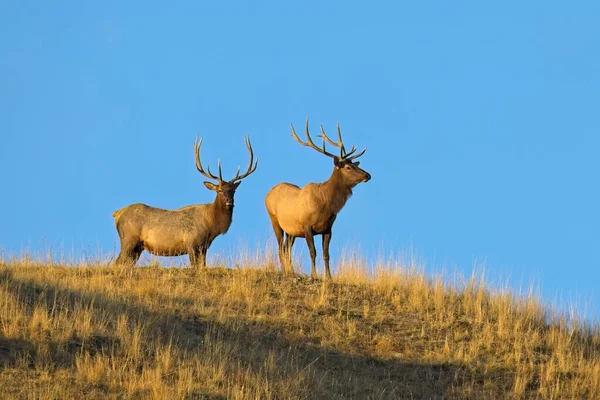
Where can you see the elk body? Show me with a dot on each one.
(312, 210)
(188, 230)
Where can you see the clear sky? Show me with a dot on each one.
(482, 124)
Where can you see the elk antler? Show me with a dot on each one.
(208, 174)
(343, 154)
(250, 168)
(310, 143)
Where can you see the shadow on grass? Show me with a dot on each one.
(250, 347)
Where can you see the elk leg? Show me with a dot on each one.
(203, 251)
(326, 240)
(130, 253)
(137, 252)
(280, 244)
(310, 241)
(287, 251)
(290, 244)
(284, 253)
(194, 252)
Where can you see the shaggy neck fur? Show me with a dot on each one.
(335, 191)
(222, 215)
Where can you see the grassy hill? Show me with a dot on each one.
(251, 332)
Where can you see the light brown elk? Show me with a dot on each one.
(312, 210)
(188, 230)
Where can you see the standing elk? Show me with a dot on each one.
(312, 210)
(188, 230)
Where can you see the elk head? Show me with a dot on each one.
(348, 169)
(225, 189)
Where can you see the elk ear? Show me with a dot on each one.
(337, 162)
(357, 163)
(210, 185)
(236, 184)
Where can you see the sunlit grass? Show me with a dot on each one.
(246, 331)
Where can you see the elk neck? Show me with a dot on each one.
(221, 214)
(336, 191)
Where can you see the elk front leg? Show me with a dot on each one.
(203, 251)
(326, 240)
(195, 254)
(310, 241)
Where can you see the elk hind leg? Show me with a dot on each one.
(280, 243)
(130, 252)
(287, 251)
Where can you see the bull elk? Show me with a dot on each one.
(312, 210)
(188, 230)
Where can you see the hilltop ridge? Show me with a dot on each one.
(253, 332)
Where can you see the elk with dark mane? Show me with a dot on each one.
(312, 210)
(188, 230)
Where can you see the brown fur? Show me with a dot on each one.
(311, 210)
(188, 230)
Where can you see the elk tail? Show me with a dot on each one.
(118, 213)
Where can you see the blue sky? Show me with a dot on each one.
(481, 123)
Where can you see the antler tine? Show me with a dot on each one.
(348, 154)
(251, 168)
(208, 174)
(339, 143)
(355, 156)
(340, 140)
(220, 178)
(310, 143)
(343, 154)
(331, 142)
(237, 173)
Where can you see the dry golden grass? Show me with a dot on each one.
(251, 332)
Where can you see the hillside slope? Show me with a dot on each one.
(99, 332)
